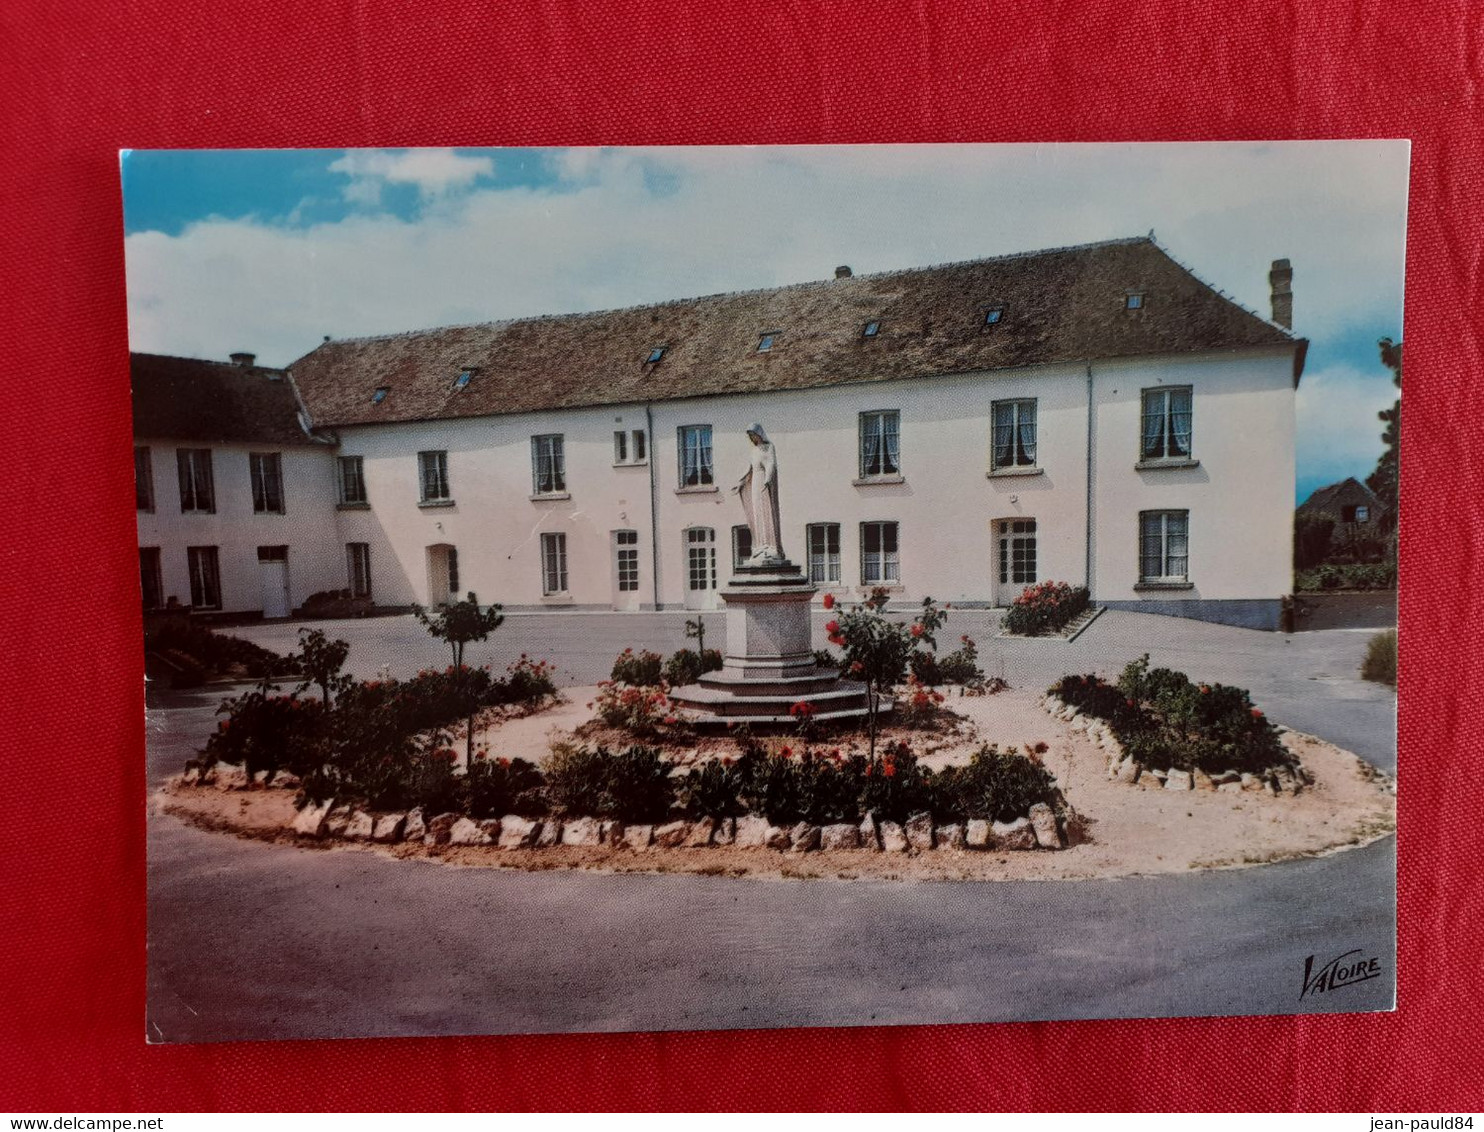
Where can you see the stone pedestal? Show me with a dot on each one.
(768, 665)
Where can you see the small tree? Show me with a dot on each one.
(696, 630)
(877, 651)
(457, 624)
(321, 660)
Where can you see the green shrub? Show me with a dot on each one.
(641, 669)
(576, 780)
(826, 659)
(1380, 659)
(996, 785)
(215, 652)
(527, 681)
(1045, 608)
(1347, 576)
(266, 732)
(504, 786)
(639, 789)
(961, 666)
(829, 789)
(893, 785)
(686, 666)
(769, 785)
(712, 790)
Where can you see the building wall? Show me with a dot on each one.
(1237, 495)
(314, 563)
(946, 502)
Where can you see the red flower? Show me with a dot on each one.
(889, 770)
(829, 601)
(832, 627)
(1256, 714)
(857, 666)
(837, 639)
(916, 630)
(726, 760)
(868, 770)
(670, 721)
(787, 752)
(503, 761)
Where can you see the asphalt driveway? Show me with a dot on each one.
(250, 941)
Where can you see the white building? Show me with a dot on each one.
(1093, 415)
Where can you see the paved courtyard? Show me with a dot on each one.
(255, 941)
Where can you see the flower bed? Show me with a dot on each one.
(1045, 608)
(1161, 728)
(771, 797)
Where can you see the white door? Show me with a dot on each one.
(275, 574)
(700, 568)
(1015, 568)
(625, 569)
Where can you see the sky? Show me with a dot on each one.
(270, 251)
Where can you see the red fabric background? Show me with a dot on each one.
(79, 81)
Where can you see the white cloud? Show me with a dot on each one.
(628, 226)
(1339, 434)
(435, 172)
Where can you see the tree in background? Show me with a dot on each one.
(1384, 480)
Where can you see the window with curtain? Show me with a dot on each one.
(144, 480)
(1015, 433)
(358, 568)
(1164, 546)
(823, 541)
(433, 473)
(1166, 424)
(695, 456)
(554, 563)
(548, 466)
(352, 480)
(197, 491)
(266, 472)
(880, 443)
(206, 578)
(880, 564)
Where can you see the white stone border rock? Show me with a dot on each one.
(1123, 768)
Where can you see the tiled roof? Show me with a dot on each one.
(1062, 305)
(213, 402)
(1336, 495)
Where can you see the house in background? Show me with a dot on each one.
(1095, 414)
(1348, 503)
(235, 498)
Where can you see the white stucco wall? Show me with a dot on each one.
(1239, 496)
(314, 562)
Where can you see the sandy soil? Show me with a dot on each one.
(1131, 830)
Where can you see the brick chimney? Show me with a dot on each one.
(843, 271)
(1280, 279)
(242, 359)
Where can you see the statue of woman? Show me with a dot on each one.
(758, 488)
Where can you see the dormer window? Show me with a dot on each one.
(993, 316)
(466, 375)
(1133, 301)
(765, 343)
(380, 395)
(871, 329)
(655, 355)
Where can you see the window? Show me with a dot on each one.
(823, 541)
(554, 563)
(629, 447)
(655, 355)
(352, 479)
(273, 554)
(380, 395)
(433, 475)
(880, 444)
(151, 586)
(1166, 426)
(206, 578)
(1018, 552)
(1362, 514)
(144, 480)
(700, 558)
(871, 329)
(695, 456)
(466, 375)
(626, 548)
(451, 558)
(741, 546)
(197, 493)
(993, 316)
(548, 466)
(1164, 546)
(1015, 433)
(266, 469)
(358, 568)
(880, 565)
(765, 343)
(1133, 301)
